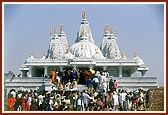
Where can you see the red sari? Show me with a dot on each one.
(23, 103)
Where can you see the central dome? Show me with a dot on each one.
(86, 49)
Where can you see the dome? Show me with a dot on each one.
(86, 49)
(139, 60)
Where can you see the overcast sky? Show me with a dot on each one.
(140, 28)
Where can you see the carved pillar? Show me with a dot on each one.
(74, 67)
(24, 73)
(90, 67)
(61, 68)
(30, 71)
(120, 71)
(104, 68)
(45, 70)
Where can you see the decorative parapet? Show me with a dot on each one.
(128, 60)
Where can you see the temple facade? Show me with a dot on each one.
(83, 54)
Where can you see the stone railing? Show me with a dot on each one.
(80, 59)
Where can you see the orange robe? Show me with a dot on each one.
(11, 103)
(53, 75)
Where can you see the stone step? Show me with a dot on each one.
(137, 84)
(24, 79)
(134, 79)
(23, 85)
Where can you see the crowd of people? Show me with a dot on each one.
(64, 95)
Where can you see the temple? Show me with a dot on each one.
(84, 54)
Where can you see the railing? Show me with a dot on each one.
(80, 59)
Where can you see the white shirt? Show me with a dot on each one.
(123, 95)
(96, 80)
(115, 99)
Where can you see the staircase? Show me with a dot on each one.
(130, 83)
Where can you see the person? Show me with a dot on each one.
(73, 75)
(115, 101)
(95, 83)
(53, 76)
(23, 102)
(86, 76)
(74, 84)
(89, 83)
(33, 106)
(111, 84)
(68, 86)
(11, 102)
(123, 100)
(115, 85)
(85, 98)
(64, 77)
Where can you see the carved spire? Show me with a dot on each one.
(61, 27)
(115, 31)
(32, 53)
(123, 55)
(55, 30)
(83, 14)
(111, 31)
(106, 28)
(50, 31)
(135, 54)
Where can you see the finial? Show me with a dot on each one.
(106, 28)
(32, 53)
(115, 31)
(83, 14)
(96, 50)
(50, 31)
(44, 54)
(123, 55)
(111, 31)
(55, 30)
(61, 27)
(135, 54)
(68, 49)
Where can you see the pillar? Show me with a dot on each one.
(61, 68)
(74, 67)
(120, 71)
(24, 73)
(104, 68)
(90, 67)
(30, 71)
(45, 70)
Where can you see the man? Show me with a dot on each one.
(115, 101)
(64, 77)
(95, 83)
(53, 76)
(111, 84)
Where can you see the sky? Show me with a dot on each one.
(140, 28)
